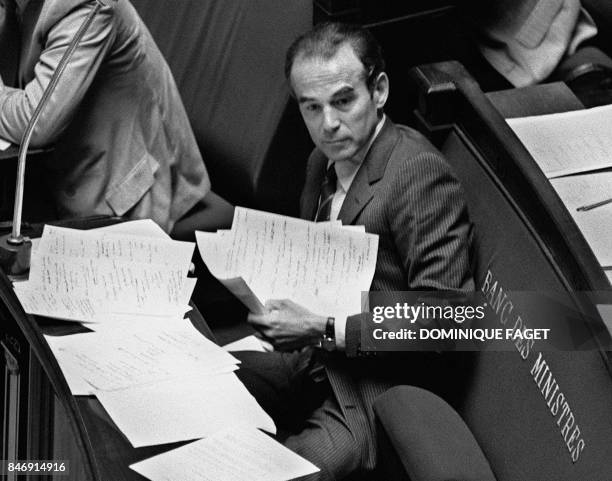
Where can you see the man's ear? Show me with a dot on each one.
(380, 93)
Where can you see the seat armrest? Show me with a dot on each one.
(428, 436)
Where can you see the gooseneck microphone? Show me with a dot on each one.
(15, 249)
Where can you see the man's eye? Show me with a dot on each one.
(342, 101)
(311, 107)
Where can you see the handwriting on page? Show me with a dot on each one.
(127, 284)
(109, 361)
(96, 245)
(568, 142)
(320, 265)
(97, 274)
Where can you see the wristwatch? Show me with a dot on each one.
(328, 340)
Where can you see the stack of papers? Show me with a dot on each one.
(175, 376)
(97, 276)
(322, 266)
(159, 379)
(574, 150)
(112, 360)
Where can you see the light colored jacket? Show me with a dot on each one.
(123, 143)
(525, 40)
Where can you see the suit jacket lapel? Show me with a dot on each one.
(370, 172)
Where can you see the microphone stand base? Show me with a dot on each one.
(15, 258)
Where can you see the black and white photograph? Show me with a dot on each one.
(308, 240)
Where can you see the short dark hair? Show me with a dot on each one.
(325, 39)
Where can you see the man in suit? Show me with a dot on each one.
(367, 171)
(122, 142)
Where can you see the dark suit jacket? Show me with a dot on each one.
(405, 192)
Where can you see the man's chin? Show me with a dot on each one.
(338, 155)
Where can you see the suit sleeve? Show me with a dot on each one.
(18, 105)
(430, 225)
(428, 220)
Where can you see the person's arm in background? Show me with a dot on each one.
(18, 105)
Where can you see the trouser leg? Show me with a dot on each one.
(328, 443)
(282, 384)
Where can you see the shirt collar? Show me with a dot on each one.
(346, 170)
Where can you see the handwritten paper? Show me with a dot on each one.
(143, 361)
(184, 408)
(109, 360)
(60, 241)
(91, 276)
(78, 386)
(317, 265)
(568, 142)
(236, 454)
(59, 306)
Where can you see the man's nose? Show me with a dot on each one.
(331, 122)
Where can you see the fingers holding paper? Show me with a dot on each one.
(288, 325)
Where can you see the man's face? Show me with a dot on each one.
(339, 111)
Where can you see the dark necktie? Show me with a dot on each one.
(328, 189)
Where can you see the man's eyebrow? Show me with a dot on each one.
(338, 93)
(343, 91)
(304, 99)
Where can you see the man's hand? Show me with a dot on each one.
(288, 325)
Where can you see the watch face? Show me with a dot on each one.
(328, 343)
(329, 338)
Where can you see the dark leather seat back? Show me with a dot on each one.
(227, 58)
